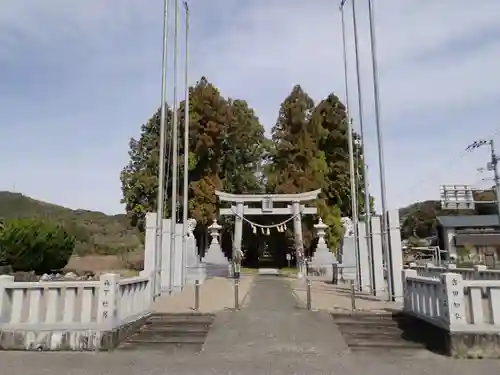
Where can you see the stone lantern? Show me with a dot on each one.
(214, 231)
(323, 259)
(321, 231)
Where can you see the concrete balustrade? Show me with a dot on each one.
(478, 272)
(71, 315)
(134, 298)
(452, 302)
(422, 297)
(466, 311)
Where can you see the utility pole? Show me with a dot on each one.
(492, 166)
(380, 146)
(185, 191)
(160, 200)
(352, 170)
(175, 156)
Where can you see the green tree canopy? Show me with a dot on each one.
(35, 245)
(139, 178)
(228, 150)
(226, 144)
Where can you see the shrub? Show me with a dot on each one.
(35, 245)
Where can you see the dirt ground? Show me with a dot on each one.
(99, 264)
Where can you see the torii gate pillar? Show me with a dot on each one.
(238, 227)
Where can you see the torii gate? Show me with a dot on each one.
(296, 209)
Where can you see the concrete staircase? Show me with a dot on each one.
(379, 334)
(171, 332)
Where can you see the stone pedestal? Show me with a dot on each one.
(321, 263)
(195, 269)
(348, 259)
(216, 264)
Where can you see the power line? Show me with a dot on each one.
(427, 177)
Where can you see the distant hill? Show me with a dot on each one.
(95, 232)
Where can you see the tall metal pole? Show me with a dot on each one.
(160, 200)
(383, 194)
(175, 141)
(352, 171)
(368, 226)
(185, 190)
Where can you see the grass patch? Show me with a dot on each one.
(288, 271)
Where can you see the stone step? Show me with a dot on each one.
(353, 327)
(394, 335)
(368, 317)
(382, 343)
(164, 348)
(368, 321)
(376, 333)
(175, 331)
(366, 325)
(179, 324)
(185, 317)
(166, 331)
(390, 352)
(154, 337)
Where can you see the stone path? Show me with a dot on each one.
(216, 294)
(337, 298)
(272, 324)
(271, 334)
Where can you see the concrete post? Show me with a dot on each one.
(4, 298)
(107, 309)
(452, 300)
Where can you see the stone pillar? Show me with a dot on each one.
(177, 279)
(323, 258)
(166, 258)
(108, 300)
(149, 242)
(348, 250)
(452, 301)
(217, 264)
(150, 253)
(194, 269)
(5, 302)
(396, 254)
(379, 286)
(408, 300)
(299, 242)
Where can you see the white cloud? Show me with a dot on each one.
(438, 76)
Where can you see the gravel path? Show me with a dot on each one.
(271, 334)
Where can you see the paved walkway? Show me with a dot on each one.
(271, 334)
(337, 298)
(273, 324)
(216, 295)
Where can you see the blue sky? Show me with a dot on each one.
(77, 79)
